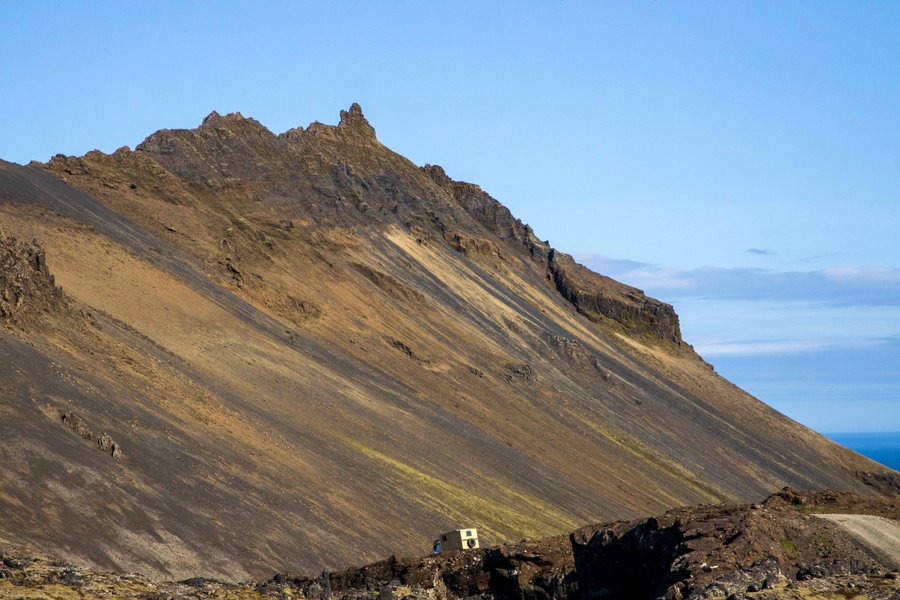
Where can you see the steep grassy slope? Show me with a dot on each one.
(311, 352)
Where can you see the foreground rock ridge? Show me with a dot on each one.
(232, 352)
(789, 546)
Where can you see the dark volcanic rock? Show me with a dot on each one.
(598, 297)
(354, 124)
(520, 372)
(715, 551)
(575, 354)
(487, 211)
(26, 286)
(104, 441)
(77, 425)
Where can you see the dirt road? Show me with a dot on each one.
(879, 535)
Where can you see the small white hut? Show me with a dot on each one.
(458, 539)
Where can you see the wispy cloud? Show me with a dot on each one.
(606, 265)
(764, 312)
(761, 251)
(745, 348)
(831, 256)
(820, 345)
(785, 346)
(857, 275)
(836, 286)
(658, 278)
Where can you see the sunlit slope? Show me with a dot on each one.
(313, 352)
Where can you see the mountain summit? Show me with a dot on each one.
(256, 352)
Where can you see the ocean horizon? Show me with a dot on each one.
(880, 446)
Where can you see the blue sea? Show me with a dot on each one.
(883, 447)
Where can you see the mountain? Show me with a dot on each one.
(229, 352)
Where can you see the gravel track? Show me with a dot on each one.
(879, 535)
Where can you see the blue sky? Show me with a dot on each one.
(739, 160)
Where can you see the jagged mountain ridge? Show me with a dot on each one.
(314, 352)
(384, 189)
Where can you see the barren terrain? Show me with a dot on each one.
(310, 352)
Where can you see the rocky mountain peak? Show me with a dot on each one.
(353, 121)
(211, 118)
(214, 118)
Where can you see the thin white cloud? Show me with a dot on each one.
(658, 279)
(862, 275)
(760, 312)
(760, 347)
(605, 264)
(820, 345)
(843, 286)
(795, 345)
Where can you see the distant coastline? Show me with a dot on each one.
(882, 447)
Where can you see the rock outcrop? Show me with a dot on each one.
(729, 550)
(27, 288)
(80, 427)
(601, 298)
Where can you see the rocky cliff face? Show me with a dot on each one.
(600, 298)
(311, 352)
